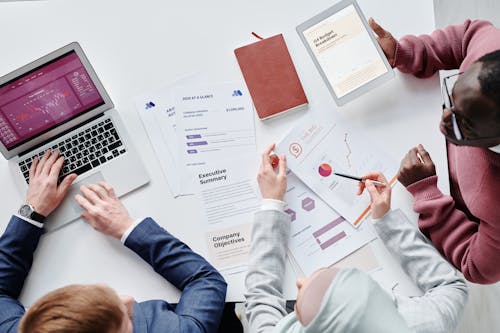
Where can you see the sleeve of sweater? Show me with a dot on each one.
(443, 49)
(264, 302)
(445, 292)
(470, 246)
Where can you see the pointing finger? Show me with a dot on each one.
(33, 167)
(109, 189)
(282, 166)
(377, 28)
(50, 162)
(56, 167)
(83, 202)
(41, 162)
(265, 155)
(90, 195)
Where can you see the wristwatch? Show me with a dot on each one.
(27, 210)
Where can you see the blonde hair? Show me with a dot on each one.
(75, 309)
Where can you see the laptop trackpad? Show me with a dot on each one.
(70, 210)
(95, 178)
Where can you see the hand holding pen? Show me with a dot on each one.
(415, 166)
(359, 179)
(380, 195)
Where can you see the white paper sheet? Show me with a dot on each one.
(316, 149)
(319, 236)
(157, 113)
(214, 122)
(230, 199)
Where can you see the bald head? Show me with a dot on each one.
(476, 100)
(489, 78)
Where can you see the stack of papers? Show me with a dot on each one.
(316, 150)
(204, 138)
(192, 125)
(325, 210)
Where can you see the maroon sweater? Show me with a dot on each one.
(465, 226)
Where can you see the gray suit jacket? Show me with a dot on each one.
(438, 310)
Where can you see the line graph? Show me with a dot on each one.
(42, 107)
(349, 151)
(35, 108)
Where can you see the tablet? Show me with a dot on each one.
(345, 51)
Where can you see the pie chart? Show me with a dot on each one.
(325, 170)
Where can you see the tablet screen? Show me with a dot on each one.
(345, 51)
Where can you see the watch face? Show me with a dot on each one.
(25, 210)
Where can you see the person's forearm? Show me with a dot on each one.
(470, 246)
(264, 301)
(443, 49)
(17, 245)
(203, 288)
(445, 291)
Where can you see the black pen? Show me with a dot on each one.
(359, 179)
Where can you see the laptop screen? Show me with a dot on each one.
(45, 98)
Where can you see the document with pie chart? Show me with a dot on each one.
(316, 149)
(319, 236)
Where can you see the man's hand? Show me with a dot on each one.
(385, 40)
(272, 185)
(103, 210)
(380, 195)
(415, 166)
(43, 192)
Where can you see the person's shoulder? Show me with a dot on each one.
(153, 316)
(480, 23)
(11, 312)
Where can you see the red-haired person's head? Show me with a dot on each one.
(79, 309)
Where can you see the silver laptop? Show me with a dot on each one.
(58, 102)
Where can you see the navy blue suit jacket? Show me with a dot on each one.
(203, 288)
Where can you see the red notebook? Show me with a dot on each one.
(271, 77)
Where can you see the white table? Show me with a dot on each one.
(136, 46)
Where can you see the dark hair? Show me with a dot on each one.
(489, 78)
(74, 309)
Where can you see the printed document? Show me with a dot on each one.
(317, 149)
(214, 122)
(157, 112)
(319, 236)
(230, 199)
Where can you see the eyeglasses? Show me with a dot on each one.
(458, 136)
(447, 104)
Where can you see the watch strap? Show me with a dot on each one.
(37, 217)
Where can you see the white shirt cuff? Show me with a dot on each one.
(35, 223)
(130, 229)
(272, 204)
(375, 221)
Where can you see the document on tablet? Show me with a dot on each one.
(214, 122)
(319, 236)
(345, 51)
(316, 149)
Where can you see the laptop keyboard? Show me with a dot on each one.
(83, 151)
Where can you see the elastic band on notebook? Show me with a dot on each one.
(253, 33)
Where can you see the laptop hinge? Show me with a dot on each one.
(61, 134)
